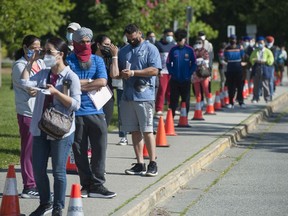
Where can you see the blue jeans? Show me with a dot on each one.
(59, 151)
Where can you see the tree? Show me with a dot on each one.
(23, 17)
(111, 16)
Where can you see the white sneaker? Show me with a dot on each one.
(123, 141)
(177, 112)
(230, 106)
(254, 101)
(243, 105)
(158, 114)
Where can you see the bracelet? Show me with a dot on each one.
(114, 57)
(132, 73)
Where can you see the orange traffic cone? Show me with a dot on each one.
(226, 96)
(210, 107)
(71, 167)
(75, 204)
(169, 124)
(10, 200)
(183, 120)
(251, 87)
(245, 92)
(145, 152)
(217, 103)
(161, 140)
(198, 110)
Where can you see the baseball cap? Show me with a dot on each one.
(75, 26)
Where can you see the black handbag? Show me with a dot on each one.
(203, 71)
(55, 123)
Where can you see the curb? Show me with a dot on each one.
(180, 175)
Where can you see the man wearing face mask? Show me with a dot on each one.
(90, 122)
(181, 64)
(151, 37)
(72, 27)
(261, 59)
(139, 64)
(234, 55)
(164, 46)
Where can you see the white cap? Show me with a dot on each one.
(75, 26)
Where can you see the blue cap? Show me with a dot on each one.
(260, 38)
(245, 38)
(233, 37)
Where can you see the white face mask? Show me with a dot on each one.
(69, 36)
(49, 60)
(197, 46)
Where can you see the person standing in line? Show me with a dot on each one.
(24, 101)
(222, 65)
(151, 37)
(109, 52)
(260, 58)
(44, 146)
(90, 122)
(71, 28)
(164, 46)
(234, 55)
(139, 64)
(181, 64)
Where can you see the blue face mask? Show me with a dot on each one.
(260, 46)
(30, 53)
(69, 36)
(169, 39)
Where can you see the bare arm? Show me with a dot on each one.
(150, 71)
(114, 70)
(63, 98)
(96, 84)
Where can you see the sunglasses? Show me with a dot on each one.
(49, 52)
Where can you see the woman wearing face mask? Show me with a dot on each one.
(25, 100)
(43, 145)
(202, 59)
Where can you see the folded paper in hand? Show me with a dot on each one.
(101, 97)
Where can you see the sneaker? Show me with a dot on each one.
(57, 211)
(254, 101)
(101, 192)
(30, 193)
(158, 114)
(137, 169)
(152, 169)
(43, 209)
(243, 105)
(177, 112)
(230, 106)
(123, 141)
(84, 192)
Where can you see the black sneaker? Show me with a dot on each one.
(101, 192)
(30, 193)
(84, 192)
(152, 169)
(42, 209)
(57, 211)
(137, 169)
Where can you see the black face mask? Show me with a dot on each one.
(105, 51)
(135, 42)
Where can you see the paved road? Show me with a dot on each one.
(248, 179)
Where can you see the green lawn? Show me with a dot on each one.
(9, 135)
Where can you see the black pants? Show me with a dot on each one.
(93, 127)
(179, 89)
(235, 81)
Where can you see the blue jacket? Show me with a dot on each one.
(181, 63)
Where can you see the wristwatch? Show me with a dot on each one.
(159, 72)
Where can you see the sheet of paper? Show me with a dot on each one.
(101, 97)
(128, 65)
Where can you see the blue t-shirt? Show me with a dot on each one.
(96, 71)
(144, 55)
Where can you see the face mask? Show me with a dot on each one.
(202, 37)
(125, 39)
(246, 44)
(49, 60)
(105, 51)
(30, 53)
(269, 45)
(260, 46)
(152, 40)
(135, 42)
(197, 46)
(82, 51)
(169, 39)
(69, 36)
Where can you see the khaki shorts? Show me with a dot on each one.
(137, 115)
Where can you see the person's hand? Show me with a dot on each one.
(114, 50)
(51, 89)
(32, 92)
(127, 73)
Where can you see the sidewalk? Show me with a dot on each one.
(189, 151)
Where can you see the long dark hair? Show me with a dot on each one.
(99, 39)
(27, 41)
(59, 45)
